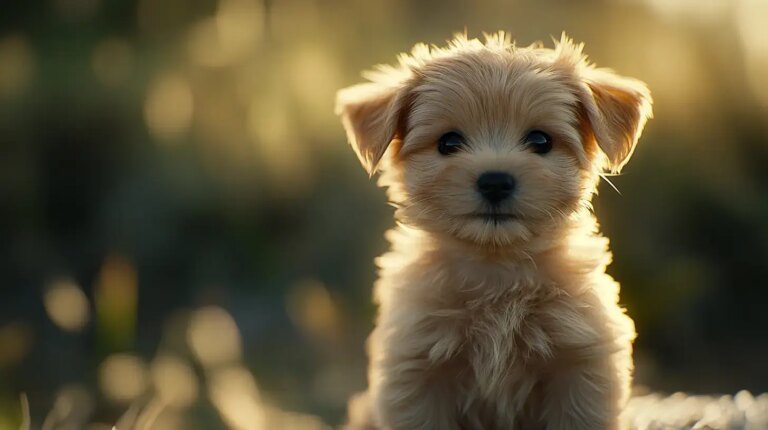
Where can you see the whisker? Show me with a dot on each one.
(605, 178)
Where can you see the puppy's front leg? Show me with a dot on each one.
(587, 396)
(413, 371)
(412, 394)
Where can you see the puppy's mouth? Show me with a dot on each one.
(494, 217)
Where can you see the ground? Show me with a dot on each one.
(682, 412)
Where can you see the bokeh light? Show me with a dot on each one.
(230, 36)
(18, 64)
(67, 305)
(234, 393)
(214, 337)
(312, 308)
(123, 377)
(751, 18)
(174, 381)
(169, 420)
(169, 107)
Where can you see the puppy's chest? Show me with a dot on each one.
(497, 321)
(507, 330)
(506, 342)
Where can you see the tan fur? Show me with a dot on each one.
(483, 324)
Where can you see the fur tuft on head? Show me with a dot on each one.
(616, 108)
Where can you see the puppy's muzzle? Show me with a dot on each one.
(495, 186)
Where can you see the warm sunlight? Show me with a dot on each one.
(189, 241)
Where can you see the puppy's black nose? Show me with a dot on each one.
(495, 186)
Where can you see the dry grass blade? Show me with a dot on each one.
(26, 421)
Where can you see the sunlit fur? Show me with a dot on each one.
(495, 323)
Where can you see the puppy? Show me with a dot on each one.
(495, 311)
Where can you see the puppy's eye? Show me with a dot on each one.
(450, 143)
(539, 141)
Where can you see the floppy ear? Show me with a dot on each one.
(373, 115)
(616, 110)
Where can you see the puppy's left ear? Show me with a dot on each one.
(616, 109)
(373, 115)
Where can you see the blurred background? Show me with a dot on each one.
(187, 242)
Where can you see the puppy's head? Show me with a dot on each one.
(491, 143)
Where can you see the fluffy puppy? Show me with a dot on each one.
(495, 311)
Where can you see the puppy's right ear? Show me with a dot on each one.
(373, 115)
(617, 109)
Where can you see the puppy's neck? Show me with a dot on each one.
(520, 252)
(569, 243)
(522, 248)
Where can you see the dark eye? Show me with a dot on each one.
(450, 143)
(539, 141)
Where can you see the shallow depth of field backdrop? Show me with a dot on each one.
(187, 240)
